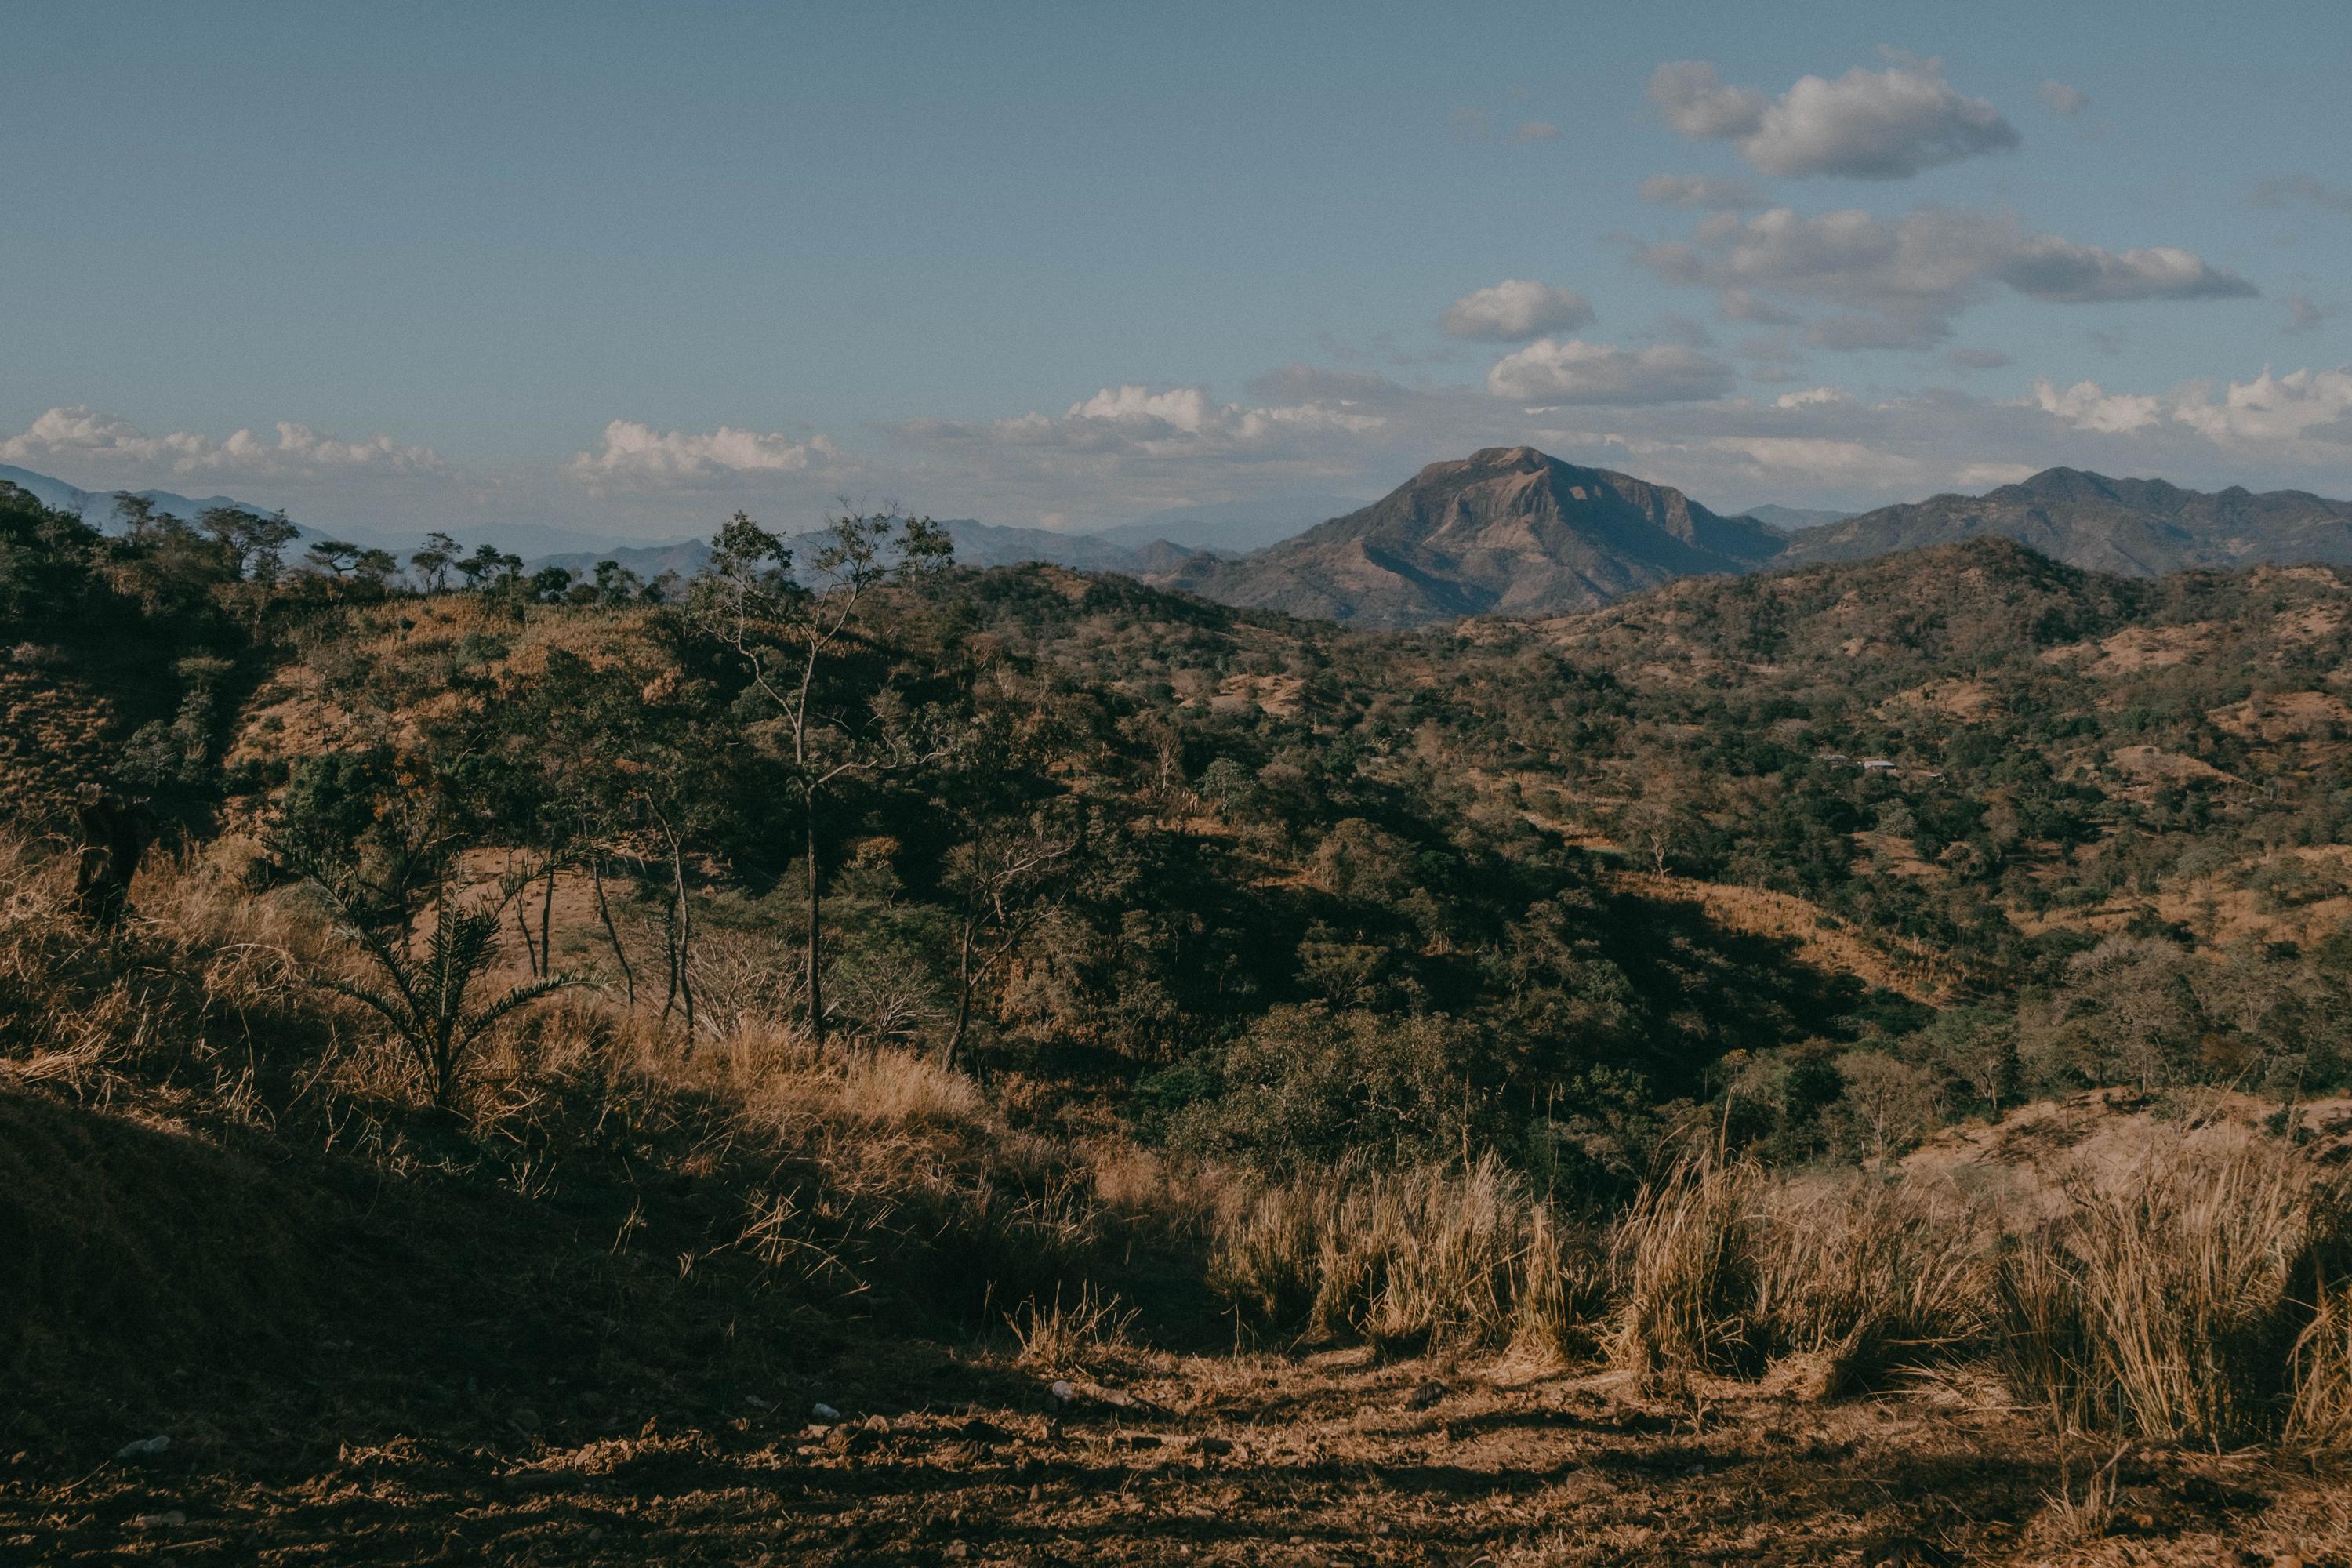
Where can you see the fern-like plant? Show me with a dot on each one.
(425, 996)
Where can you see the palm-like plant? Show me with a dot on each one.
(425, 996)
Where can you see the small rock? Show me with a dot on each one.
(1215, 1445)
(525, 1419)
(1064, 1389)
(1427, 1394)
(144, 1449)
(824, 1412)
(2289, 1561)
(170, 1519)
(978, 1429)
(1140, 1439)
(956, 1551)
(878, 1424)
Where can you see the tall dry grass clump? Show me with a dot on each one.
(1858, 1274)
(1682, 1259)
(2190, 1293)
(1402, 1257)
(2319, 1409)
(1722, 1268)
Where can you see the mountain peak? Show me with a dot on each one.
(1507, 531)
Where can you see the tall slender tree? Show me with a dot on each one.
(793, 637)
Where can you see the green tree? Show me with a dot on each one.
(434, 560)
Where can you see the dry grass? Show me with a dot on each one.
(1404, 1258)
(2319, 1414)
(2179, 1296)
(2195, 1291)
(1070, 1336)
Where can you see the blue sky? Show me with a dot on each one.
(625, 269)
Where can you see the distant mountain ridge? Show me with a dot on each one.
(1512, 530)
(1509, 531)
(1789, 519)
(99, 509)
(2134, 528)
(1231, 528)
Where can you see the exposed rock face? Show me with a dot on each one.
(1509, 531)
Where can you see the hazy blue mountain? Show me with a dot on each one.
(98, 509)
(1232, 528)
(1789, 519)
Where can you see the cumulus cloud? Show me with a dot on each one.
(1514, 311)
(2304, 415)
(1574, 371)
(2060, 98)
(2049, 268)
(2301, 190)
(1897, 285)
(1134, 419)
(633, 453)
(1702, 190)
(1867, 124)
(111, 448)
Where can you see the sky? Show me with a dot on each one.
(625, 269)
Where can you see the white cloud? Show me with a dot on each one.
(2085, 406)
(1135, 420)
(2061, 98)
(1897, 285)
(633, 453)
(1703, 191)
(1514, 311)
(2049, 268)
(1575, 372)
(2304, 415)
(1872, 125)
(1697, 102)
(110, 448)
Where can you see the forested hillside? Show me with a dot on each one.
(1967, 816)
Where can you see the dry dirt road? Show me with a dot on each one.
(1160, 1458)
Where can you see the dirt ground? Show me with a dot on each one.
(1196, 1460)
